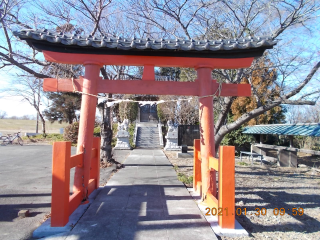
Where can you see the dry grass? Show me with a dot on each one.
(15, 125)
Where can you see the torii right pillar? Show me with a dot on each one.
(207, 144)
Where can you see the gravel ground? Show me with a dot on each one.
(271, 187)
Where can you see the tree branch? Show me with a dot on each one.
(304, 83)
(23, 67)
(298, 102)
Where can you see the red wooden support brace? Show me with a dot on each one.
(227, 186)
(148, 73)
(60, 183)
(197, 167)
(95, 163)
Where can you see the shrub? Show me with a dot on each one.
(71, 132)
(114, 134)
(238, 139)
(96, 131)
(131, 134)
(185, 179)
(128, 110)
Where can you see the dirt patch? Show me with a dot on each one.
(272, 187)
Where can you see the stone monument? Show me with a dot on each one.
(123, 136)
(172, 138)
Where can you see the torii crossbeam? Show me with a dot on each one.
(93, 53)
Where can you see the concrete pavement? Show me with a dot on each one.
(25, 183)
(144, 200)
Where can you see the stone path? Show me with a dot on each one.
(144, 200)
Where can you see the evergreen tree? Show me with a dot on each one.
(63, 107)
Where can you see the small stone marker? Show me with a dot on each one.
(23, 213)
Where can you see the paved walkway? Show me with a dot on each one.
(144, 200)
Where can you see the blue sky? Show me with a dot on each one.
(15, 107)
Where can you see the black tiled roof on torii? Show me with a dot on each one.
(72, 43)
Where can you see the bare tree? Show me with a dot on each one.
(29, 90)
(237, 19)
(303, 114)
(3, 114)
(183, 112)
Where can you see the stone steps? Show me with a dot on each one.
(147, 136)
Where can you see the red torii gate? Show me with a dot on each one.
(93, 53)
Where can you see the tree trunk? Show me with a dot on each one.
(43, 124)
(106, 132)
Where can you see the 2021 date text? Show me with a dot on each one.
(257, 211)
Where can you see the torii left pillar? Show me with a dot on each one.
(86, 126)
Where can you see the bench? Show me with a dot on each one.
(251, 154)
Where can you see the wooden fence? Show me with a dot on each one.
(225, 166)
(62, 204)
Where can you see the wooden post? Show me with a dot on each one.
(226, 199)
(208, 178)
(87, 118)
(196, 167)
(61, 153)
(95, 163)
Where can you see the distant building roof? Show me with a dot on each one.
(299, 129)
(222, 48)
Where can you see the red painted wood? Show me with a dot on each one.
(227, 186)
(95, 162)
(148, 73)
(60, 183)
(86, 126)
(50, 85)
(208, 177)
(91, 186)
(74, 201)
(244, 90)
(147, 87)
(196, 166)
(126, 87)
(76, 160)
(75, 58)
(212, 201)
(214, 163)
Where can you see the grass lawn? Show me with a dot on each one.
(15, 125)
